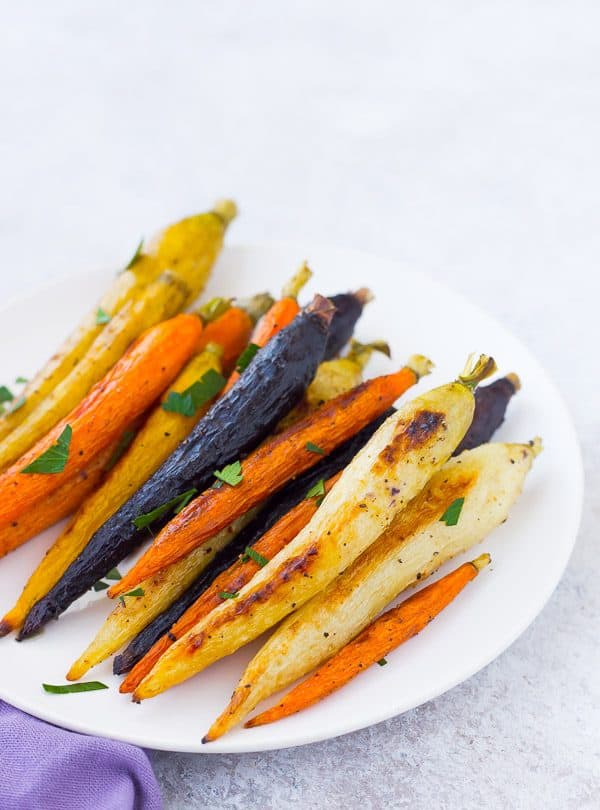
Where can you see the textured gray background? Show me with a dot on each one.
(462, 137)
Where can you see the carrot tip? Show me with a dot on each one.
(480, 562)
(476, 369)
(364, 295)
(536, 445)
(420, 364)
(5, 628)
(514, 380)
(225, 210)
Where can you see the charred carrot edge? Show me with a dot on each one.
(269, 467)
(280, 315)
(231, 580)
(372, 645)
(60, 504)
(131, 386)
(231, 331)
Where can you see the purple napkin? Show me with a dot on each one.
(42, 766)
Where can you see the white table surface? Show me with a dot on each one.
(461, 137)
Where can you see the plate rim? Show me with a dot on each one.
(577, 476)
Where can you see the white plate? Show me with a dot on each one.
(529, 552)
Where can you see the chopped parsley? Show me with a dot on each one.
(122, 446)
(199, 393)
(382, 662)
(136, 256)
(246, 357)
(251, 554)
(452, 513)
(231, 474)
(68, 688)
(100, 586)
(113, 574)
(174, 505)
(6, 395)
(54, 459)
(317, 490)
(314, 448)
(136, 592)
(21, 379)
(228, 594)
(102, 316)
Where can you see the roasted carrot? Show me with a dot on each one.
(269, 467)
(375, 642)
(278, 316)
(60, 504)
(133, 384)
(230, 581)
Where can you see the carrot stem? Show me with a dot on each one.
(375, 642)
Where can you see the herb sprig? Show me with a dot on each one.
(54, 459)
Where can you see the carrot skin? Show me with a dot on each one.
(371, 645)
(231, 331)
(132, 385)
(266, 470)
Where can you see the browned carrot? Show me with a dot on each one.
(231, 331)
(130, 387)
(231, 580)
(269, 467)
(61, 503)
(372, 645)
(277, 317)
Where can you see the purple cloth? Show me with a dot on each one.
(42, 766)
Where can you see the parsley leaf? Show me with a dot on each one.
(317, 490)
(113, 574)
(136, 256)
(246, 357)
(452, 513)
(314, 448)
(102, 316)
(228, 594)
(68, 688)
(382, 662)
(143, 521)
(251, 554)
(54, 459)
(100, 586)
(231, 474)
(6, 395)
(199, 393)
(21, 379)
(136, 592)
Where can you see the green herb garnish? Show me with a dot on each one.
(6, 395)
(246, 357)
(100, 586)
(382, 662)
(228, 594)
(136, 256)
(135, 592)
(317, 490)
(143, 521)
(122, 446)
(54, 459)
(199, 393)
(68, 688)
(452, 513)
(231, 474)
(113, 574)
(314, 448)
(102, 316)
(251, 554)
(21, 379)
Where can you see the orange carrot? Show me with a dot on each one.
(377, 640)
(231, 580)
(268, 468)
(61, 503)
(130, 387)
(231, 331)
(280, 315)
